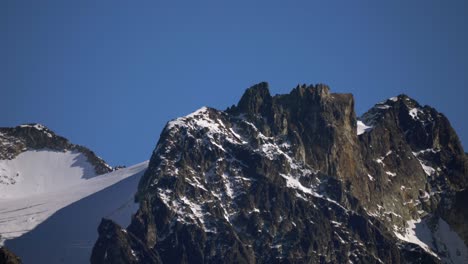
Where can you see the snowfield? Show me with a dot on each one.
(51, 204)
(43, 171)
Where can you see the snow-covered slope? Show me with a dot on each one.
(64, 223)
(433, 234)
(37, 183)
(54, 193)
(42, 171)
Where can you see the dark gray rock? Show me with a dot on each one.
(8, 257)
(120, 247)
(286, 179)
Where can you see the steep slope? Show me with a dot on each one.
(68, 233)
(417, 170)
(297, 178)
(42, 173)
(36, 167)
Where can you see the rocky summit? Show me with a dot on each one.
(299, 178)
(16, 140)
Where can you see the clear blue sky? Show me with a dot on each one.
(110, 74)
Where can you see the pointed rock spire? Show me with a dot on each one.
(256, 100)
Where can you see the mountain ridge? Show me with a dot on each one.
(33, 136)
(214, 176)
(53, 194)
(289, 178)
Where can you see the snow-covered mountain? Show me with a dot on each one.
(53, 195)
(61, 227)
(298, 178)
(292, 178)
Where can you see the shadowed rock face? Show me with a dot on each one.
(287, 179)
(14, 141)
(416, 160)
(7, 257)
(120, 247)
(320, 123)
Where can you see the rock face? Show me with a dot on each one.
(298, 178)
(123, 246)
(415, 158)
(7, 257)
(14, 141)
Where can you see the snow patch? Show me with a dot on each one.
(134, 254)
(295, 184)
(196, 209)
(382, 106)
(362, 128)
(426, 151)
(380, 161)
(427, 169)
(417, 232)
(414, 113)
(227, 185)
(440, 239)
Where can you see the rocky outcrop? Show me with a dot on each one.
(120, 247)
(7, 257)
(298, 178)
(14, 141)
(456, 213)
(413, 158)
(320, 123)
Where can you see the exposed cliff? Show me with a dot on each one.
(297, 178)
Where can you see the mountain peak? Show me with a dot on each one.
(260, 89)
(35, 136)
(219, 184)
(400, 100)
(37, 126)
(401, 105)
(318, 90)
(321, 89)
(256, 100)
(226, 179)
